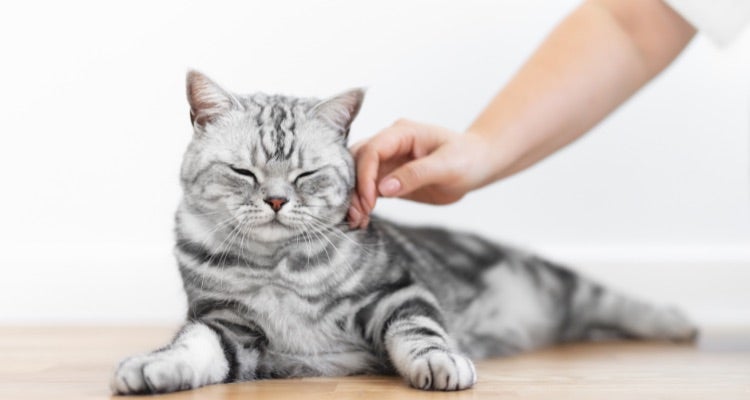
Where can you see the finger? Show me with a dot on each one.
(365, 222)
(414, 175)
(354, 149)
(386, 144)
(355, 213)
(399, 140)
(367, 166)
(431, 197)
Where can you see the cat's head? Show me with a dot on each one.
(270, 166)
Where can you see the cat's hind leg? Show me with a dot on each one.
(590, 311)
(631, 318)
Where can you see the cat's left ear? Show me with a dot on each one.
(207, 100)
(339, 111)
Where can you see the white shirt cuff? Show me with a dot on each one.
(720, 20)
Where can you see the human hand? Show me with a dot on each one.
(419, 162)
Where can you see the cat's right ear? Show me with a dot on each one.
(339, 111)
(207, 99)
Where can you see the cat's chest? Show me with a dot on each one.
(296, 324)
(295, 300)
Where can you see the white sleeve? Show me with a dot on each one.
(720, 20)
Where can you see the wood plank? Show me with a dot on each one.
(76, 363)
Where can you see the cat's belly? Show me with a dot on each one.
(511, 315)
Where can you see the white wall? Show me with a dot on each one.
(654, 200)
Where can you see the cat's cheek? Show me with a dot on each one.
(314, 189)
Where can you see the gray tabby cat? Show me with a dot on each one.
(278, 286)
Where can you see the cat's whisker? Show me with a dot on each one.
(210, 213)
(298, 234)
(323, 226)
(207, 237)
(242, 244)
(221, 248)
(216, 228)
(309, 240)
(232, 237)
(317, 231)
(318, 234)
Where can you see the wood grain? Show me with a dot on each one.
(76, 362)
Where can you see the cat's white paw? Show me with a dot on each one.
(440, 370)
(152, 373)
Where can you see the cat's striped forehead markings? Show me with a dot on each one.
(276, 119)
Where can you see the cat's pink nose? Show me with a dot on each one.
(276, 202)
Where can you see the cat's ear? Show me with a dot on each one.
(207, 99)
(339, 111)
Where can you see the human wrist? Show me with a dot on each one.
(496, 155)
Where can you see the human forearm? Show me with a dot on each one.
(590, 64)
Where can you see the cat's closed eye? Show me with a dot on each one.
(245, 172)
(304, 174)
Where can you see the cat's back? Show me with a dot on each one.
(452, 264)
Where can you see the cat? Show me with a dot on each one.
(279, 286)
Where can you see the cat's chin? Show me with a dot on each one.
(272, 231)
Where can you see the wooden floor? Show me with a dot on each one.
(76, 363)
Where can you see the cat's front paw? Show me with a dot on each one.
(441, 370)
(152, 373)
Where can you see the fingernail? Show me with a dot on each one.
(390, 186)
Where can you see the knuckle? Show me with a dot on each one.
(412, 173)
(401, 122)
(404, 127)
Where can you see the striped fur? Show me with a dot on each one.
(297, 293)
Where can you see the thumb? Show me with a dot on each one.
(412, 176)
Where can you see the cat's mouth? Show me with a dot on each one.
(280, 221)
(276, 222)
